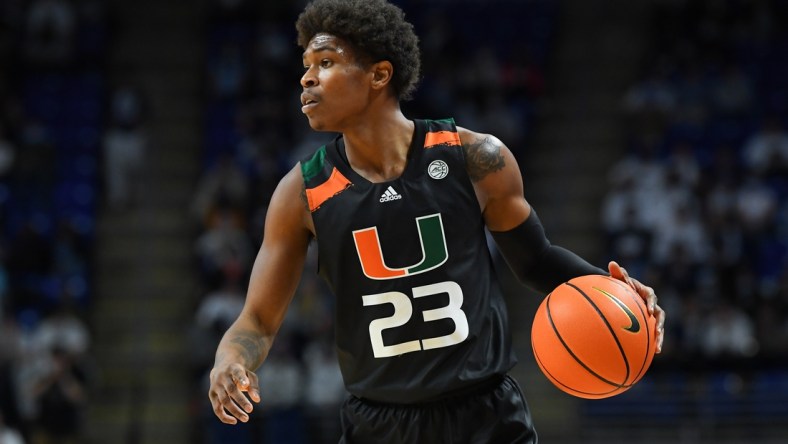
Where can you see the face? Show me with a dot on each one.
(336, 88)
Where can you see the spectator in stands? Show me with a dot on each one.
(619, 206)
(123, 157)
(9, 435)
(215, 313)
(63, 330)
(673, 194)
(642, 168)
(224, 249)
(728, 333)
(221, 307)
(684, 164)
(630, 242)
(756, 206)
(721, 197)
(224, 185)
(51, 30)
(680, 226)
(125, 144)
(766, 151)
(61, 395)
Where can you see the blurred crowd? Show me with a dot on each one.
(699, 205)
(255, 133)
(52, 102)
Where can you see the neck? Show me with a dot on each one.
(378, 148)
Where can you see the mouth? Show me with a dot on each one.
(308, 101)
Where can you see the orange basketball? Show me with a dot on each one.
(593, 337)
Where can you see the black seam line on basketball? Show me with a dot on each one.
(648, 333)
(556, 381)
(610, 328)
(569, 350)
(554, 378)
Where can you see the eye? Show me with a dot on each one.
(325, 63)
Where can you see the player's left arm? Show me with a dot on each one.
(512, 221)
(516, 228)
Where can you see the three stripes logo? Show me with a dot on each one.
(389, 195)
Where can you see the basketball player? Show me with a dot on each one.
(398, 209)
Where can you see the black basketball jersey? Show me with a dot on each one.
(419, 309)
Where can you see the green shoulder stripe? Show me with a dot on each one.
(313, 166)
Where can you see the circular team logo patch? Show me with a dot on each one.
(438, 169)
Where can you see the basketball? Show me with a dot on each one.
(593, 337)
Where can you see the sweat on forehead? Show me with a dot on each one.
(324, 40)
(328, 42)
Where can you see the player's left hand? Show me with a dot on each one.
(647, 293)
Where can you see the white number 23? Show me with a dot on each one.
(403, 310)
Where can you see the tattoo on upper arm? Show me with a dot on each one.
(482, 157)
(253, 347)
(304, 197)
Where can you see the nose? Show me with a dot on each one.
(309, 78)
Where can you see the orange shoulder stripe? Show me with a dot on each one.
(445, 138)
(335, 184)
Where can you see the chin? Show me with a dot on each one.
(319, 125)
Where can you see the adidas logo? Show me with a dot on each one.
(390, 194)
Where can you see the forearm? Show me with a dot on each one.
(556, 266)
(535, 261)
(243, 343)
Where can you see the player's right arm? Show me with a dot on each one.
(275, 276)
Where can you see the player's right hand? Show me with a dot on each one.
(228, 385)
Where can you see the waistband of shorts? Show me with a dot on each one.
(479, 388)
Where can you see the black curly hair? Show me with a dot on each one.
(376, 30)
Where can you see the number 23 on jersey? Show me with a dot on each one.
(434, 254)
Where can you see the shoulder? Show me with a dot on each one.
(484, 153)
(496, 179)
(289, 201)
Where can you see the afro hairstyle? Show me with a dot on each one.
(376, 30)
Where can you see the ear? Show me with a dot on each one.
(382, 73)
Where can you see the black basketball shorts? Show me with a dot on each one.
(494, 413)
